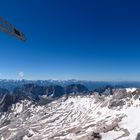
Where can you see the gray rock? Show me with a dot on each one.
(138, 136)
(116, 103)
(96, 136)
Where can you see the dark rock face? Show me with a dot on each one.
(35, 93)
(55, 91)
(116, 103)
(3, 92)
(76, 88)
(96, 136)
(118, 96)
(136, 94)
(121, 94)
(6, 102)
(30, 90)
(107, 90)
(7, 99)
(138, 136)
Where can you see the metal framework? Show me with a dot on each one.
(5, 26)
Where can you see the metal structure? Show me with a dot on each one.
(6, 27)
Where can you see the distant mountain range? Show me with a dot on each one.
(91, 85)
(43, 92)
(37, 93)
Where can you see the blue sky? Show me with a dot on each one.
(66, 39)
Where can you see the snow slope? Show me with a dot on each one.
(73, 118)
(131, 89)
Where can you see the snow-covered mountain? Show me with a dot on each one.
(75, 117)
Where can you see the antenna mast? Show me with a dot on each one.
(9, 28)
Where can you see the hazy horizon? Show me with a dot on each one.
(18, 79)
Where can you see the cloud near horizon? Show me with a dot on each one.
(21, 74)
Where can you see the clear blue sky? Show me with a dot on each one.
(80, 39)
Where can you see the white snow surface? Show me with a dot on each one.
(131, 89)
(72, 118)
